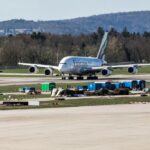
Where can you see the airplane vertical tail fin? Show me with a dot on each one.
(100, 54)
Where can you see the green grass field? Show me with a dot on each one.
(14, 88)
(22, 97)
(82, 102)
(95, 102)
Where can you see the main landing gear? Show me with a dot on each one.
(80, 78)
(92, 78)
(70, 77)
(63, 78)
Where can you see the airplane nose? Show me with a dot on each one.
(61, 67)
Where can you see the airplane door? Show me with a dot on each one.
(76, 67)
(79, 66)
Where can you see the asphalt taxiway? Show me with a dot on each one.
(82, 128)
(38, 80)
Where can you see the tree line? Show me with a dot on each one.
(46, 48)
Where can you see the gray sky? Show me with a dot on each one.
(65, 9)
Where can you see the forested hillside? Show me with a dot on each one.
(134, 21)
(49, 48)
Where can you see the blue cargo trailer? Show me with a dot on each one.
(98, 85)
(141, 84)
(29, 89)
(21, 89)
(106, 85)
(81, 88)
(26, 89)
(94, 86)
(113, 86)
(131, 84)
(116, 85)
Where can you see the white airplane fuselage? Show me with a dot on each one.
(79, 65)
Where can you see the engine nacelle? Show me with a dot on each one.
(48, 72)
(33, 69)
(133, 70)
(106, 72)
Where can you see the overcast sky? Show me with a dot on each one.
(65, 9)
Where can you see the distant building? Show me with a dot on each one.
(7, 32)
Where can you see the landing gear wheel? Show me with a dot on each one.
(63, 78)
(71, 78)
(95, 78)
(80, 78)
(92, 78)
(88, 78)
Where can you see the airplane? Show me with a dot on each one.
(84, 66)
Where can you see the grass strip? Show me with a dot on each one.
(82, 102)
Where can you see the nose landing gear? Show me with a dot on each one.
(80, 77)
(70, 77)
(92, 77)
(63, 76)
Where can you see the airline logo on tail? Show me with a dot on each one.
(102, 48)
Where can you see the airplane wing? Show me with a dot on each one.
(120, 66)
(39, 65)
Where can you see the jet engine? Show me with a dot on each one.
(33, 69)
(133, 70)
(106, 72)
(48, 71)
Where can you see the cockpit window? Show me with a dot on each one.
(63, 63)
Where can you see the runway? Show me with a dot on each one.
(38, 80)
(116, 127)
